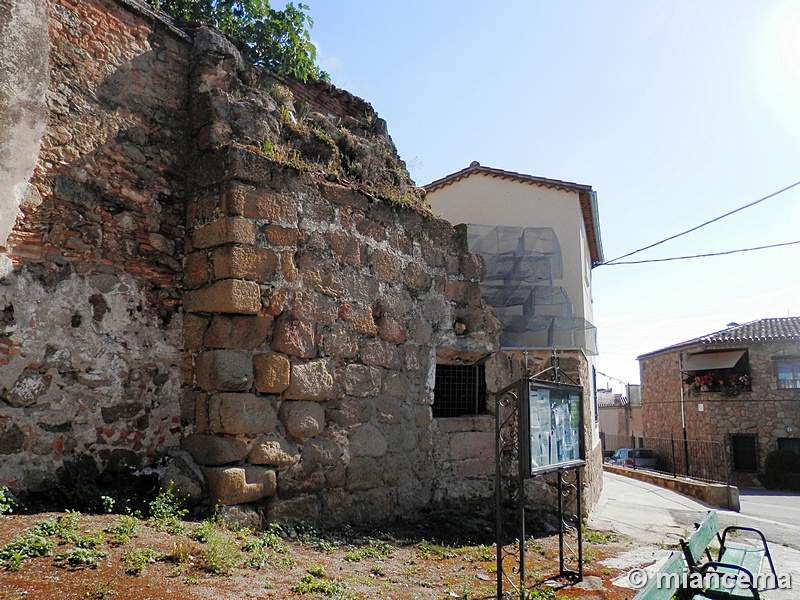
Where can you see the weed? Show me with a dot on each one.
(260, 550)
(182, 552)
(541, 594)
(7, 502)
(665, 545)
(80, 558)
(597, 537)
(166, 512)
(269, 149)
(281, 93)
(221, 554)
(102, 591)
(426, 549)
(283, 562)
(202, 531)
(126, 528)
(376, 570)
(65, 527)
(480, 553)
(257, 556)
(29, 545)
(135, 561)
(191, 580)
(272, 539)
(288, 119)
(313, 583)
(375, 549)
(107, 503)
(323, 137)
(536, 547)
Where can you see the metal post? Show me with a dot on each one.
(674, 464)
(559, 491)
(523, 460)
(498, 499)
(683, 414)
(580, 525)
(686, 452)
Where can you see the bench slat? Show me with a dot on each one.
(673, 567)
(703, 536)
(748, 557)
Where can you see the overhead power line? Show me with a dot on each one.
(728, 214)
(653, 260)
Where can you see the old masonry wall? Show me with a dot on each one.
(213, 263)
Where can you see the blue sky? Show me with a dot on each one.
(674, 111)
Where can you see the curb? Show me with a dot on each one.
(716, 494)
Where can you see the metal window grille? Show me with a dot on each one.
(791, 444)
(459, 390)
(745, 457)
(788, 375)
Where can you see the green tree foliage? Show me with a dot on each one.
(280, 38)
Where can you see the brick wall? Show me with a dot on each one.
(92, 331)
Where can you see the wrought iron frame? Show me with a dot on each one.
(510, 478)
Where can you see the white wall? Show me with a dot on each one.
(483, 200)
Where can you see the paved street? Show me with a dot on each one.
(776, 507)
(658, 518)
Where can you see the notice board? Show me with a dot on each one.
(551, 426)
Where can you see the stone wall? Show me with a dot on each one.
(234, 269)
(766, 411)
(315, 311)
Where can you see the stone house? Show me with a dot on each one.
(539, 239)
(738, 387)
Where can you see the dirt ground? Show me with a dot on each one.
(444, 556)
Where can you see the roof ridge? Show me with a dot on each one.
(758, 330)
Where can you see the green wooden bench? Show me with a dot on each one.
(672, 582)
(734, 560)
(666, 585)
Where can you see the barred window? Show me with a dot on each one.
(790, 444)
(459, 390)
(745, 455)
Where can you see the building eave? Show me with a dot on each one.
(586, 196)
(734, 335)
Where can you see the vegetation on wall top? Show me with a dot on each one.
(280, 39)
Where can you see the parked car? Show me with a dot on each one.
(639, 458)
(608, 455)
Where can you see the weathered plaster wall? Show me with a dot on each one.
(23, 82)
(91, 328)
(765, 411)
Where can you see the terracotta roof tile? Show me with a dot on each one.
(762, 330)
